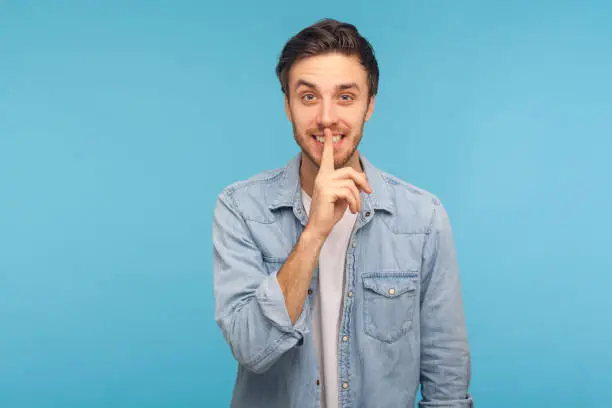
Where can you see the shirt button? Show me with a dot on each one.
(368, 213)
(392, 291)
(318, 382)
(350, 294)
(345, 385)
(310, 291)
(345, 338)
(354, 244)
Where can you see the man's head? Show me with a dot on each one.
(329, 76)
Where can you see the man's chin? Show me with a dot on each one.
(338, 162)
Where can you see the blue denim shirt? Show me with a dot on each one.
(402, 310)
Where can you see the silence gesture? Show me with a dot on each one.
(334, 191)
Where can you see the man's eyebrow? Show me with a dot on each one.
(303, 82)
(341, 87)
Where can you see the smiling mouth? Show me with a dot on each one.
(321, 138)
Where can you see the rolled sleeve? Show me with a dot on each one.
(272, 302)
(249, 303)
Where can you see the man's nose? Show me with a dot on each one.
(327, 114)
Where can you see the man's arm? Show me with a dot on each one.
(296, 273)
(445, 355)
(250, 306)
(333, 191)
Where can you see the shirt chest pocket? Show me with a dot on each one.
(389, 300)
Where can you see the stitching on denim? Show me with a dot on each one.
(389, 337)
(266, 176)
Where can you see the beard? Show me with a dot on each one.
(304, 140)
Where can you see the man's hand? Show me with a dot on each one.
(333, 191)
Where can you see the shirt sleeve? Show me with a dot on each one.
(249, 303)
(445, 356)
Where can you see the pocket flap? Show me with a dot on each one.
(390, 285)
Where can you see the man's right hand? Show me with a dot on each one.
(334, 191)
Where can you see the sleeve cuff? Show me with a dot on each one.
(464, 403)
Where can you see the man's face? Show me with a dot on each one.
(328, 91)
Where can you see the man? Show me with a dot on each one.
(336, 284)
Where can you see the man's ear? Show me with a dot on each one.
(287, 109)
(370, 110)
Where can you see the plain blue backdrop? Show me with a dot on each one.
(120, 122)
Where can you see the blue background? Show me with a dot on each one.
(120, 122)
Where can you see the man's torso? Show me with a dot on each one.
(378, 334)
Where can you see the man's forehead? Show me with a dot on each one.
(328, 71)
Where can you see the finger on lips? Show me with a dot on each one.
(327, 159)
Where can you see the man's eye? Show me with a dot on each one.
(346, 97)
(308, 97)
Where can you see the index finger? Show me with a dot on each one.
(327, 159)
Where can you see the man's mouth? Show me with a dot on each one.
(335, 138)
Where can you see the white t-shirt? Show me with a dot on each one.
(328, 303)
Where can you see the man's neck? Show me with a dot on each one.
(309, 171)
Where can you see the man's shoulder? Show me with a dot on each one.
(406, 190)
(263, 179)
(406, 187)
(253, 197)
(414, 206)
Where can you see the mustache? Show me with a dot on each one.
(319, 131)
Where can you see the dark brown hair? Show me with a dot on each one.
(328, 36)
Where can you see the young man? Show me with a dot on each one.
(336, 284)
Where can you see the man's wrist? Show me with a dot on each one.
(312, 239)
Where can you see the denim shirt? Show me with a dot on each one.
(402, 322)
